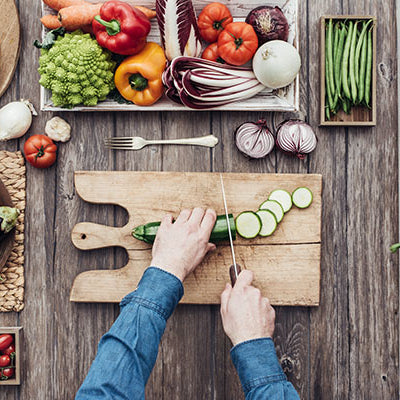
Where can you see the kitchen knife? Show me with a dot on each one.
(234, 269)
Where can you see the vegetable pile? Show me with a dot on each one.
(348, 65)
(265, 220)
(7, 357)
(8, 220)
(116, 61)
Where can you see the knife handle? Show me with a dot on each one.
(232, 273)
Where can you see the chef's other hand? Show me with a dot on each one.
(181, 246)
(245, 313)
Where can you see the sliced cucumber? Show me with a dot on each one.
(283, 197)
(248, 224)
(302, 197)
(269, 222)
(275, 208)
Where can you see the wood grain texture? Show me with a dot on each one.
(289, 274)
(347, 348)
(10, 42)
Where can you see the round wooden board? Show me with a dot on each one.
(10, 42)
(7, 243)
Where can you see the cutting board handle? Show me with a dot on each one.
(89, 236)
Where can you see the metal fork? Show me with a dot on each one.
(137, 142)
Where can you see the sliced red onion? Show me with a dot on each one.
(296, 137)
(254, 139)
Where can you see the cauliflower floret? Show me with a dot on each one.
(77, 70)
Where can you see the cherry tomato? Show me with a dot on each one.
(9, 350)
(211, 53)
(5, 361)
(237, 43)
(8, 372)
(212, 20)
(40, 151)
(5, 341)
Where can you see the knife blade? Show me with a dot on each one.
(234, 269)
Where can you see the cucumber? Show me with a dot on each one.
(283, 197)
(248, 224)
(269, 222)
(302, 197)
(275, 208)
(147, 233)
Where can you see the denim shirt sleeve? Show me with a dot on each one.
(128, 351)
(259, 371)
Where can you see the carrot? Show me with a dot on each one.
(59, 4)
(75, 17)
(150, 14)
(50, 21)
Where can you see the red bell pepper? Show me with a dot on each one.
(121, 28)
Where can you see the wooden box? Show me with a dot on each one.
(360, 115)
(285, 99)
(16, 332)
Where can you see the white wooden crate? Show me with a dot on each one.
(286, 99)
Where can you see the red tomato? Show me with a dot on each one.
(9, 350)
(40, 151)
(212, 20)
(5, 341)
(8, 372)
(5, 361)
(211, 53)
(237, 43)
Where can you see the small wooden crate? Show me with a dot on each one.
(359, 116)
(16, 331)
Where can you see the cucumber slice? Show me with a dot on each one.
(248, 224)
(269, 222)
(275, 207)
(283, 197)
(302, 197)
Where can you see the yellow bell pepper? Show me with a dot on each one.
(139, 77)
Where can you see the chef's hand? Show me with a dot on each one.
(245, 313)
(181, 246)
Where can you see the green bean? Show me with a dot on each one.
(358, 51)
(338, 59)
(353, 85)
(368, 71)
(327, 113)
(327, 84)
(335, 41)
(345, 63)
(361, 81)
(329, 50)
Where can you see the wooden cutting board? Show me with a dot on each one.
(10, 42)
(286, 265)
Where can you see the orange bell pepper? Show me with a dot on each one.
(139, 77)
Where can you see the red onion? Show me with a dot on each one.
(269, 23)
(254, 139)
(296, 137)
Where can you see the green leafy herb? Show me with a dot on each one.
(49, 39)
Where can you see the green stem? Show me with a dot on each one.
(138, 82)
(113, 27)
(238, 41)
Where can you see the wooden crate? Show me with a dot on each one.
(360, 115)
(16, 331)
(285, 99)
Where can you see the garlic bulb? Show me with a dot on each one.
(15, 119)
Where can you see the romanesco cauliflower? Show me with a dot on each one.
(77, 70)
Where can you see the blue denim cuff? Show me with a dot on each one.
(158, 290)
(256, 363)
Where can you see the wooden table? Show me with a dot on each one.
(348, 348)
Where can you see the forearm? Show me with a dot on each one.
(260, 372)
(127, 353)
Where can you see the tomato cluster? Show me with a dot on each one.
(7, 356)
(231, 42)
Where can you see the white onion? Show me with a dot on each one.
(15, 119)
(296, 137)
(254, 139)
(276, 64)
